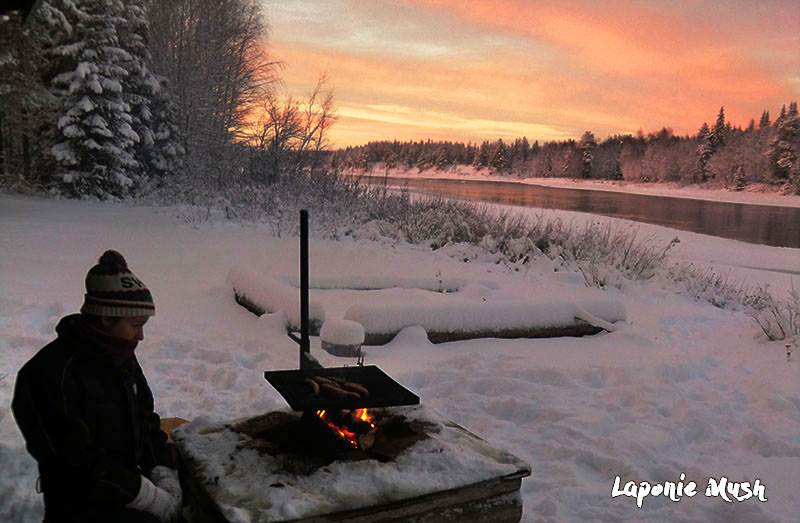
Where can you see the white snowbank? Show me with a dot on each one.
(342, 332)
(273, 295)
(482, 316)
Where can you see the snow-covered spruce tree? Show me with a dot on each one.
(153, 112)
(96, 151)
(719, 131)
(586, 147)
(165, 157)
(499, 156)
(705, 149)
(139, 84)
(784, 151)
(481, 158)
(764, 122)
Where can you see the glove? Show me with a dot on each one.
(167, 479)
(156, 501)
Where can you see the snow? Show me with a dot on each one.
(100, 127)
(681, 387)
(122, 180)
(84, 69)
(73, 131)
(85, 105)
(342, 332)
(111, 85)
(64, 153)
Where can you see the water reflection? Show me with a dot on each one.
(770, 225)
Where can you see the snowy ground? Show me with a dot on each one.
(682, 387)
(754, 194)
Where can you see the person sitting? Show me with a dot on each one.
(86, 412)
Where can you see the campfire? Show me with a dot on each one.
(357, 447)
(336, 397)
(403, 464)
(305, 442)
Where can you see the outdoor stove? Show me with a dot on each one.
(358, 447)
(337, 396)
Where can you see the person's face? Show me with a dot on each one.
(128, 328)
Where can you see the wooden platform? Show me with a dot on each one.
(486, 500)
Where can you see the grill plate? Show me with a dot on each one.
(383, 390)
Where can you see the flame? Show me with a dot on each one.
(363, 415)
(350, 437)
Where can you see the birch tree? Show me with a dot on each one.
(212, 53)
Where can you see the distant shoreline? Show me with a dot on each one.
(752, 196)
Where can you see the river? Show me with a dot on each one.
(764, 224)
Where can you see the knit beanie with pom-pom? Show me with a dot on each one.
(113, 290)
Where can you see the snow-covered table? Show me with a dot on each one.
(453, 475)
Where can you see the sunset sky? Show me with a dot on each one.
(472, 70)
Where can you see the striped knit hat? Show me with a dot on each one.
(113, 290)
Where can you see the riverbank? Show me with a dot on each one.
(755, 195)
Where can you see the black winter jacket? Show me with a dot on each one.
(89, 424)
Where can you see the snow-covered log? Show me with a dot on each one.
(342, 337)
(368, 283)
(263, 294)
(489, 320)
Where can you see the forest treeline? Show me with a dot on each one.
(767, 152)
(127, 98)
(179, 98)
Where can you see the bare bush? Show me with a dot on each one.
(709, 285)
(778, 319)
(287, 136)
(602, 252)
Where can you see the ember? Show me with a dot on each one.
(355, 426)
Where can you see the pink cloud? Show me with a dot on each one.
(609, 67)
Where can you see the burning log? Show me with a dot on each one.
(355, 427)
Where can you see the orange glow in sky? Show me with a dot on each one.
(471, 70)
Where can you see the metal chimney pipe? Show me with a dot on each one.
(305, 342)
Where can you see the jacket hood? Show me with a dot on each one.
(71, 327)
(90, 342)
